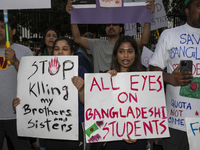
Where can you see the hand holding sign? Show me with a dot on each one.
(15, 103)
(69, 7)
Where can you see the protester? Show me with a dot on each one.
(102, 49)
(126, 57)
(31, 46)
(64, 47)
(174, 45)
(50, 35)
(84, 58)
(8, 86)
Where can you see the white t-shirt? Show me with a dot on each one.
(8, 81)
(180, 43)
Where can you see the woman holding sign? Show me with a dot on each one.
(126, 58)
(64, 47)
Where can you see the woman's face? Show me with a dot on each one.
(50, 37)
(125, 56)
(62, 48)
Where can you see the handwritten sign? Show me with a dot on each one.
(25, 4)
(130, 29)
(193, 132)
(158, 17)
(128, 104)
(49, 100)
(146, 56)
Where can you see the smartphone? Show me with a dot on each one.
(186, 65)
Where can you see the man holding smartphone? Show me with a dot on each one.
(182, 92)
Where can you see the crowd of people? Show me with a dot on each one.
(120, 53)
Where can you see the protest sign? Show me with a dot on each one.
(146, 56)
(25, 4)
(130, 29)
(127, 104)
(84, 4)
(193, 132)
(110, 3)
(49, 100)
(103, 15)
(134, 3)
(158, 17)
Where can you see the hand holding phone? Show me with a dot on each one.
(186, 65)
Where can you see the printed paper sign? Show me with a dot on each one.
(84, 4)
(158, 18)
(193, 132)
(130, 29)
(127, 104)
(24, 4)
(110, 3)
(134, 3)
(49, 100)
(146, 56)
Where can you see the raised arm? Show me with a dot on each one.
(75, 30)
(146, 30)
(145, 36)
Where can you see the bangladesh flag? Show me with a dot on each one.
(191, 90)
(91, 129)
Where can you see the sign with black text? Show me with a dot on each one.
(49, 100)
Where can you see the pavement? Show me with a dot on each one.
(5, 146)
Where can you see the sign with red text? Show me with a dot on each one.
(49, 100)
(25, 4)
(127, 104)
(193, 132)
(158, 17)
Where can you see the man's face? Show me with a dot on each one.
(193, 14)
(2, 33)
(113, 30)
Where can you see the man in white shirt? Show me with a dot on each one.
(182, 100)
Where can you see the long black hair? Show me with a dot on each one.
(136, 66)
(43, 44)
(69, 42)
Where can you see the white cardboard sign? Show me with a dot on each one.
(24, 4)
(158, 17)
(127, 104)
(130, 29)
(146, 56)
(49, 100)
(193, 132)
